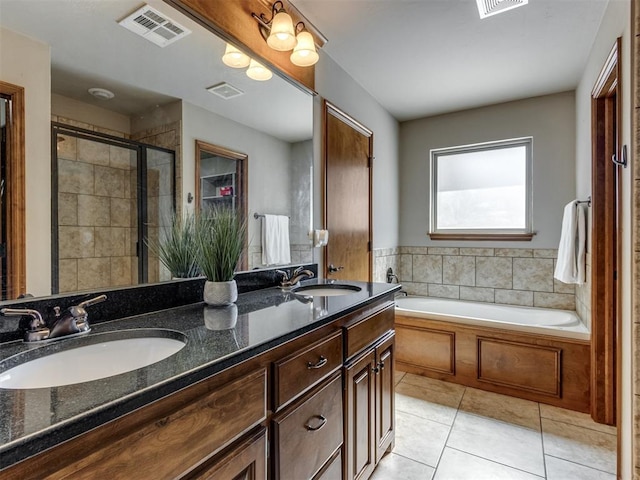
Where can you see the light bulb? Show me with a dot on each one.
(234, 58)
(259, 72)
(282, 36)
(304, 55)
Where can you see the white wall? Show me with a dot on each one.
(615, 23)
(334, 84)
(269, 161)
(550, 120)
(84, 112)
(27, 63)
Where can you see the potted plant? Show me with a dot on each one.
(175, 246)
(219, 241)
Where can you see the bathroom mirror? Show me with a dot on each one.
(163, 98)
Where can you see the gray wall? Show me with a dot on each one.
(334, 84)
(550, 120)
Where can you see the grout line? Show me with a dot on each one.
(450, 430)
(579, 426)
(544, 461)
(424, 418)
(414, 460)
(497, 463)
(581, 464)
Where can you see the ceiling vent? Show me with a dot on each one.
(225, 90)
(493, 7)
(153, 25)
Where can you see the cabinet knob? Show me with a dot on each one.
(376, 369)
(323, 422)
(321, 363)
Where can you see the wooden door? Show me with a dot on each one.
(385, 416)
(347, 196)
(606, 143)
(360, 442)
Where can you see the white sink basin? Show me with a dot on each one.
(329, 290)
(107, 355)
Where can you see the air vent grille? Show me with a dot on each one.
(225, 90)
(152, 25)
(486, 8)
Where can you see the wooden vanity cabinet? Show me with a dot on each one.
(369, 394)
(283, 414)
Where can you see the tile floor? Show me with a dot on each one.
(451, 432)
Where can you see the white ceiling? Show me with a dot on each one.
(416, 57)
(90, 49)
(425, 57)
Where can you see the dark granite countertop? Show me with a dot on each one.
(32, 420)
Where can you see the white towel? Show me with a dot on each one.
(570, 267)
(275, 240)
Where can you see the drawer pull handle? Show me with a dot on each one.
(323, 422)
(314, 366)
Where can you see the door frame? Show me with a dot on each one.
(330, 109)
(16, 193)
(606, 108)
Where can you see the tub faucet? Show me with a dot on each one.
(297, 275)
(391, 276)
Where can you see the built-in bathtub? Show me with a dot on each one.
(534, 353)
(545, 321)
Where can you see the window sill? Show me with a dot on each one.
(500, 237)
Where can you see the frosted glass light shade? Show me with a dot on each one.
(234, 58)
(259, 72)
(282, 36)
(304, 55)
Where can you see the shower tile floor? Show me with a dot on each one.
(446, 431)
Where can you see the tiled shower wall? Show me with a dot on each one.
(513, 276)
(95, 199)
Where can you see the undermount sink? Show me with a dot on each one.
(328, 290)
(96, 356)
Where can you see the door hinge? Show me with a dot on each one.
(368, 246)
(3, 250)
(615, 275)
(370, 161)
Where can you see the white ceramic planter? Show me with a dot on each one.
(220, 293)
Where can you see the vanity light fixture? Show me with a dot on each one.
(234, 58)
(304, 54)
(259, 72)
(282, 36)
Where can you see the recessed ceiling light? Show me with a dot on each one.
(102, 93)
(486, 8)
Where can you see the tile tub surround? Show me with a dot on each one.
(450, 432)
(513, 276)
(266, 319)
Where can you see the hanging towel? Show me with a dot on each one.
(570, 267)
(275, 240)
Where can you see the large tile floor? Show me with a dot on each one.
(451, 432)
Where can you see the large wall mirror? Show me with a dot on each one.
(62, 49)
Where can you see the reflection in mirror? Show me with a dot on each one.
(61, 49)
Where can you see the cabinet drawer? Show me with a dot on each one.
(305, 368)
(308, 433)
(362, 333)
(197, 431)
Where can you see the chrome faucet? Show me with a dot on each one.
(297, 275)
(391, 276)
(72, 321)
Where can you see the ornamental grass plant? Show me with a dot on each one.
(175, 247)
(219, 242)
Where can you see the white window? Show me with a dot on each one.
(482, 190)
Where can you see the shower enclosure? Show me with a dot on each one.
(109, 195)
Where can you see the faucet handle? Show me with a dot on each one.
(37, 329)
(92, 301)
(285, 275)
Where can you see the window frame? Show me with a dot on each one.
(517, 234)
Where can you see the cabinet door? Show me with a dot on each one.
(246, 461)
(385, 415)
(360, 447)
